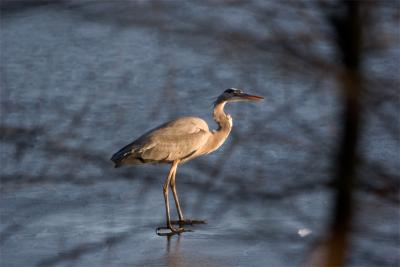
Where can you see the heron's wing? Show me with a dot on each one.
(174, 140)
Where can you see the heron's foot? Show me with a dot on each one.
(170, 231)
(188, 222)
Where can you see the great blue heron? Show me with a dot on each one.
(178, 141)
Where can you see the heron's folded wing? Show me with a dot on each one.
(176, 140)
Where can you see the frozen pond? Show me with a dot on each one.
(114, 224)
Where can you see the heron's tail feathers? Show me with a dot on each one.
(121, 155)
(117, 158)
(127, 155)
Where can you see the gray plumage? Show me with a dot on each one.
(177, 139)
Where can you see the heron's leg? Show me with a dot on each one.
(181, 220)
(173, 188)
(167, 209)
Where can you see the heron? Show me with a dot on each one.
(177, 142)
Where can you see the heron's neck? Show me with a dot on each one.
(218, 137)
(223, 120)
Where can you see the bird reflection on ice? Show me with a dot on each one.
(176, 243)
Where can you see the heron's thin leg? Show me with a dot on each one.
(166, 199)
(181, 220)
(173, 188)
(165, 191)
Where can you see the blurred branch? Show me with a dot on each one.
(346, 21)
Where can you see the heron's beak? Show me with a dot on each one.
(251, 97)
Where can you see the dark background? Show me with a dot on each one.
(320, 155)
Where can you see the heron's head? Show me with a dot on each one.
(235, 95)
